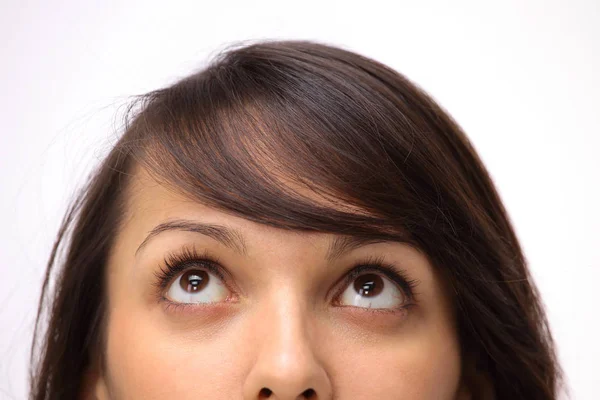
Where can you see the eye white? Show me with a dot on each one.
(213, 290)
(377, 292)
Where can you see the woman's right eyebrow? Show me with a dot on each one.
(228, 236)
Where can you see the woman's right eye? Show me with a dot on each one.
(197, 286)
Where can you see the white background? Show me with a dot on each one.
(521, 77)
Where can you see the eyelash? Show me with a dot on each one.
(178, 262)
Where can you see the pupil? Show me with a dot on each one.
(368, 285)
(194, 281)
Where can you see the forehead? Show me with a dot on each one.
(151, 204)
(149, 201)
(145, 190)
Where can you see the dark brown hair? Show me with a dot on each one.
(354, 131)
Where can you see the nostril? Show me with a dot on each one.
(265, 393)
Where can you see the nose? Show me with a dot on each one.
(285, 366)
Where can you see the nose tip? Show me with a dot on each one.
(287, 370)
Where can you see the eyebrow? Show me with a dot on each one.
(229, 237)
(234, 239)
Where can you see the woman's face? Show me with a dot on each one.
(284, 317)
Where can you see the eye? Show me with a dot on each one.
(375, 284)
(371, 290)
(197, 286)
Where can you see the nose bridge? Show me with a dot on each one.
(286, 365)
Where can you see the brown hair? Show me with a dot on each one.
(352, 130)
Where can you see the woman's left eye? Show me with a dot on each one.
(197, 286)
(371, 290)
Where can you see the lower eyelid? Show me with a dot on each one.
(217, 308)
(402, 310)
(197, 311)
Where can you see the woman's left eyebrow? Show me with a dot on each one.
(343, 244)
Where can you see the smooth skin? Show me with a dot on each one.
(279, 328)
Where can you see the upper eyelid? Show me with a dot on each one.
(176, 263)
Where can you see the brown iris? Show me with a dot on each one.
(368, 285)
(193, 281)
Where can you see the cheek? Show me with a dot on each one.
(417, 369)
(420, 361)
(146, 360)
(412, 370)
(154, 363)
